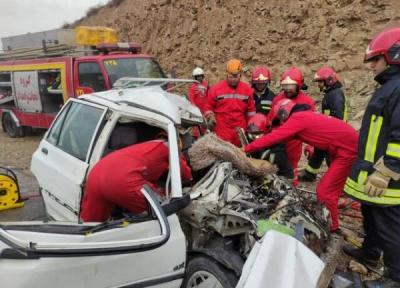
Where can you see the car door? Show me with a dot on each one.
(61, 161)
(137, 251)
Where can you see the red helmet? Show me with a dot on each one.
(293, 75)
(261, 74)
(257, 124)
(326, 74)
(282, 109)
(386, 43)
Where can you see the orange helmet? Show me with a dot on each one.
(234, 66)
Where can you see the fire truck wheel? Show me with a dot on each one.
(11, 128)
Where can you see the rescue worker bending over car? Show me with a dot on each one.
(333, 104)
(326, 133)
(230, 104)
(257, 126)
(116, 180)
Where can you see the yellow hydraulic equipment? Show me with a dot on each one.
(92, 36)
(10, 196)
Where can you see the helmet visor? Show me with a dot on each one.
(289, 87)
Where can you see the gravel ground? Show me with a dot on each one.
(16, 154)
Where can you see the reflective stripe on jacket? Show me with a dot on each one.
(379, 136)
(264, 101)
(232, 107)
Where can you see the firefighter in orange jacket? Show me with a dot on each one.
(230, 103)
(292, 83)
(326, 133)
(116, 180)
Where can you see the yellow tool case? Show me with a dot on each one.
(10, 196)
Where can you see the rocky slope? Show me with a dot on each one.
(183, 34)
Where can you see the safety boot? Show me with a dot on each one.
(386, 283)
(305, 176)
(370, 258)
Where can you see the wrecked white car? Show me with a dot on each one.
(203, 244)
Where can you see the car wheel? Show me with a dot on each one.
(205, 272)
(11, 128)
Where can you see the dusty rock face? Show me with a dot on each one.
(183, 34)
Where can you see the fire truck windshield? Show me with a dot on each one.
(132, 67)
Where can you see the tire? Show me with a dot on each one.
(11, 128)
(206, 272)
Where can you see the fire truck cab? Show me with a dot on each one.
(35, 83)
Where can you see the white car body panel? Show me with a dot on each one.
(61, 181)
(99, 271)
(277, 255)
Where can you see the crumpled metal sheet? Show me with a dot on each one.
(280, 261)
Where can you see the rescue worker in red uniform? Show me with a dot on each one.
(292, 83)
(326, 133)
(263, 96)
(333, 104)
(116, 180)
(230, 103)
(375, 177)
(257, 126)
(198, 91)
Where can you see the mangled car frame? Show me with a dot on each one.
(206, 243)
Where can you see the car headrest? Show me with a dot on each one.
(123, 136)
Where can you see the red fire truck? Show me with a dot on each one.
(33, 90)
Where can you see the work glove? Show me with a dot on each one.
(376, 184)
(211, 122)
(309, 151)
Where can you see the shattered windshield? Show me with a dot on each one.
(132, 67)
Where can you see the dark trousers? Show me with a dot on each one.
(282, 161)
(316, 160)
(277, 155)
(382, 230)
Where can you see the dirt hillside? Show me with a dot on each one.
(183, 34)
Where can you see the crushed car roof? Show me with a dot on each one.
(152, 98)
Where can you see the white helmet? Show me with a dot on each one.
(197, 72)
